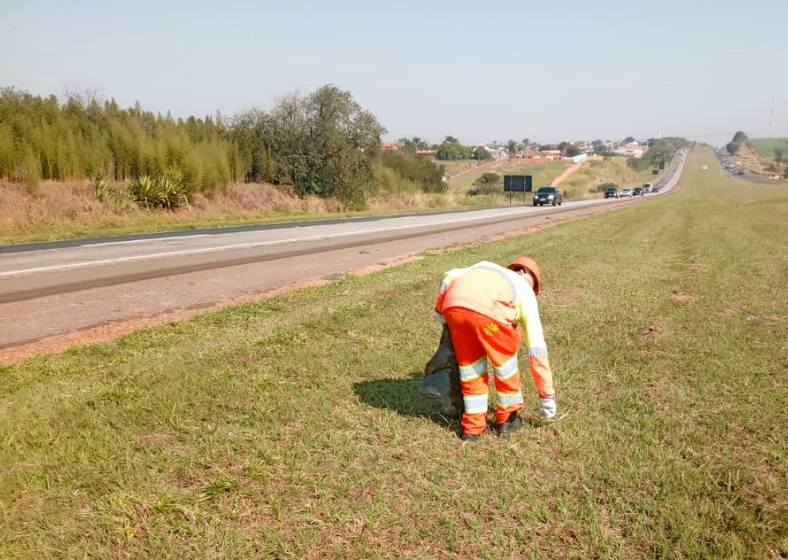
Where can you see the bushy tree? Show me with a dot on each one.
(739, 137)
(323, 144)
(420, 170)
(480, 153)
(779, 153)
(629, 139)
(413, 144)
(488, 183)
(451, 150)
(732, 147)
(487, 179)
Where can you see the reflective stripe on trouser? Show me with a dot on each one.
(476, 339)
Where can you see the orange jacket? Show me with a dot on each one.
(503, 295)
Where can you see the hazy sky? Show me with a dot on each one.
(481, 71)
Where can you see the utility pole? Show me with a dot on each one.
(771, 118)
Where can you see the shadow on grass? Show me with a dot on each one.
(402, 396)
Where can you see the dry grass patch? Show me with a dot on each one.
(683, 299)
(653, 333)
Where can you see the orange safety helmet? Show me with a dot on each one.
(530, 266)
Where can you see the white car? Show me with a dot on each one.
(625, 192)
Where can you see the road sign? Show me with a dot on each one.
(517, 183)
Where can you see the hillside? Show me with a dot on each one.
(766, 146)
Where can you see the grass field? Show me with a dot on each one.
(766, 146)
(291, 428)
(455, 167)
(543, 174)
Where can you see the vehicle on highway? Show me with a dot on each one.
(548, 195)
(611, 192)
(625, 192)
(637, 191)
(740, 172)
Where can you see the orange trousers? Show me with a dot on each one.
(476, 339)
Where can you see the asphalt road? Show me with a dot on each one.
(747, 176)
(35, 270)
(46, 309)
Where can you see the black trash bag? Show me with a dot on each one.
(441, 383)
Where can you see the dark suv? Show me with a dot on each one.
(548, 195)
(637, 191)
(611, 192)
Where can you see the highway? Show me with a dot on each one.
(747, 176)
(39, 269)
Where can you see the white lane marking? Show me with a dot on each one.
(183, 237)
(185, 252)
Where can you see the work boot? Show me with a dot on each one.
(475, 437)
(512, 424)
(470, 438)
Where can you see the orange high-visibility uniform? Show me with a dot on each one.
(482, 305)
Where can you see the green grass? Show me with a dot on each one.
(455, 167)
(543, 174)
(291, 428)
(766, 146)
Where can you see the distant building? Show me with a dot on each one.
(389, 146)
(551, 154)
(630, 150)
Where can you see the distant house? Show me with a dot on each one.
(430, 153)
(632, 150)
(389, 146)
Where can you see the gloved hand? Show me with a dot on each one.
(547, 407)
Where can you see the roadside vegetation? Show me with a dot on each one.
(776, 148)
(83, 166)
(542, 173)
(590, 179)
(322, 144)
(767, 157)
(292, 427)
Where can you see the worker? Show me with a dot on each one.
(483, 305)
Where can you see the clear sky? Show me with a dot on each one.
(481, 71)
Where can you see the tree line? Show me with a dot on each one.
(323, 143)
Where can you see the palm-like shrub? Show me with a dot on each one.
(167, 191)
